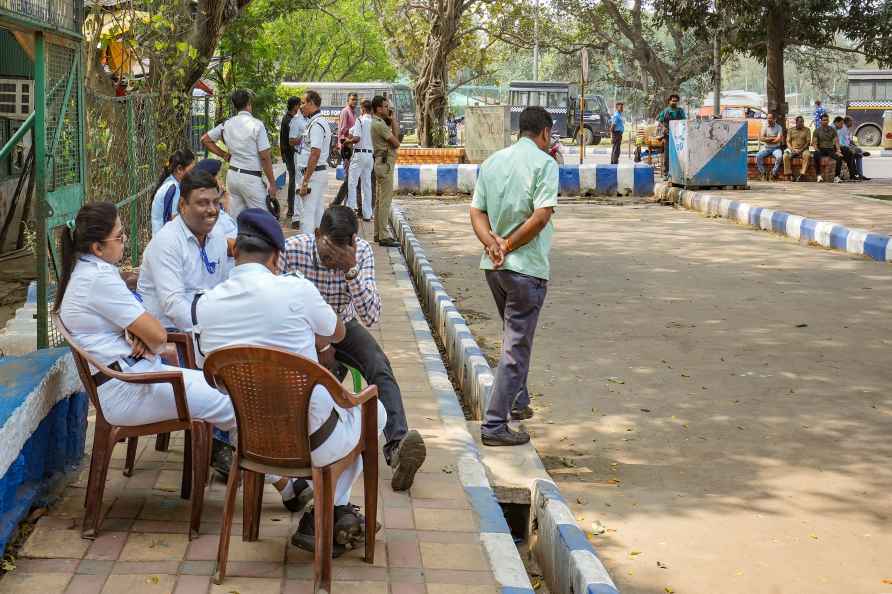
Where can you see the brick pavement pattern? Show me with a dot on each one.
(430, 542)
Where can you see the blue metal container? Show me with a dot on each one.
(707, 153)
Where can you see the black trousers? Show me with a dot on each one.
(292, 182)
(832, 154)
(341, 196)
(360, 350)
(617, 139)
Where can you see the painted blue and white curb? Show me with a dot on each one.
(495, 535)
(861, 242)
(627, 179)
(43, 424)
(567, 559)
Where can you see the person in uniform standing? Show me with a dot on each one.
(107, 320)
(295, 137)
(361, 162)
(342, 267)
(248, 153)
(288, 151)
(346, 120)
(514, 200)
(385, 141)
(312, 159)
(617, 127)
(287, 312)
(187, 256)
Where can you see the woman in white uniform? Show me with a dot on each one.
(167, 193)
(106, 319)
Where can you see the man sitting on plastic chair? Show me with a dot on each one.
(256, 307)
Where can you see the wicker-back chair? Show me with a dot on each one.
(196, 454)
(270, 390)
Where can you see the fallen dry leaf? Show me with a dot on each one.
(662, 565)
(634, 553)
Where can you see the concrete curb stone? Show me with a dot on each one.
(861, 242)
(566, 557)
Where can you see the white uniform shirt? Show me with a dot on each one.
(363, 129)
(255, 307)
(174, 269)
(226, 225)
(98, 307)
(296, 128)
(158, 203)
(245, 136)
(317, 134)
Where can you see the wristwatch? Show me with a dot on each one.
(352, 273)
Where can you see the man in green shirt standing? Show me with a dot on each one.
(669, 113)
(514, 199)
(385, 141)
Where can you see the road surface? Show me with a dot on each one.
(712, 400)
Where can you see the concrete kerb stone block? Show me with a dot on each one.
(601, 179)
(861, 242)
(568, 560)
(495, 536)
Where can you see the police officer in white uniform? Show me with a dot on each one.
(186, 256)
(286, 312)
(312, 159)
(108, 321)
(296, 129)
(361, 162)
(248, 154)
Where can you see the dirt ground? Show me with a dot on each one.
(713, 401)
(15, 274)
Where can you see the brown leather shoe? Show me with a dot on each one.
(506, 437)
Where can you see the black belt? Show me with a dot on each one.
(321, 434)
(247, 171)
(362, 150)
(100, 378)
(318, 168)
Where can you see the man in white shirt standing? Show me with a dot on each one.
(187, 256)
(296, 129)
(362, 161)
(312, 162)
(287, 312)
(248, 153)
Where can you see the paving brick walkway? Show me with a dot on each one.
(430, 541)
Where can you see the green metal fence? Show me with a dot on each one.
(123, 161)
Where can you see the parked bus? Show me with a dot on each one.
(561, 100)
(334, 97)
(869, 95)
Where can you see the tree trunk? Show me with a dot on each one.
(774, 59)
(433, 76)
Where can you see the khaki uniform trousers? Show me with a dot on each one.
(383, 198)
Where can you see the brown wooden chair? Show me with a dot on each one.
(270, 390)
(196, 454)
(180, 352)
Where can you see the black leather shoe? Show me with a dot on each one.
(389, 243)
(350, 525)
(506, 437)
(221, 458)
(407, 459)
(303, 494)
(295, 225)
(520, 414)
(305, 536)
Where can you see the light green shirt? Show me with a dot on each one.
(511, 184)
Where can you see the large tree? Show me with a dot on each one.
(766, 28)
(443, 44)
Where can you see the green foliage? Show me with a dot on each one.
(275, 40)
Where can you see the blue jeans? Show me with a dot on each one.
(778, 160)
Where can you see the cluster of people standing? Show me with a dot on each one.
(219, 266)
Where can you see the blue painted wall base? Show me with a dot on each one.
(43, 428)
